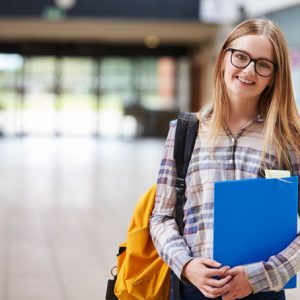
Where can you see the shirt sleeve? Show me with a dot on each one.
(169, 244)
(279, 269)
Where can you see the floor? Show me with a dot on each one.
(65, 204)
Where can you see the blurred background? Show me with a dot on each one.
(87, 90)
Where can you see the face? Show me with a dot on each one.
(245, 83)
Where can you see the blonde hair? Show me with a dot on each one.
(276, 104)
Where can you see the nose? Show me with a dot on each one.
(250, 68)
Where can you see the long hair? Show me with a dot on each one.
(276, 104)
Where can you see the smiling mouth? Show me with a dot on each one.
(244, 80)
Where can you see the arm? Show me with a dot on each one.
(276, 272)
(265, 276)
(170, 245)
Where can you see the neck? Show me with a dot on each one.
(242, 110)
(240, 114)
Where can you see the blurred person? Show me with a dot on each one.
(251, 125)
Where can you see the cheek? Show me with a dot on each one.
(264, 83)
(229, 69)
(229, 73)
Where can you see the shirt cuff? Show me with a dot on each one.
(257, 277)
(181, 261)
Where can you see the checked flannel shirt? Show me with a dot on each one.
(234, 158)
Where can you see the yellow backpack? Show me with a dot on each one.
(141, 272)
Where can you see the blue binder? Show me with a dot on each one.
(254, 219)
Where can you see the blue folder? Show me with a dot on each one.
(254, 219)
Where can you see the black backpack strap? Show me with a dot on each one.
(185, 136)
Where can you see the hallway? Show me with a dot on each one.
(65, 204)
(65, 207)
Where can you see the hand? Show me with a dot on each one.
(200, 272)
(239, 286)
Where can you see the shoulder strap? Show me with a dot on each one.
(185, 136)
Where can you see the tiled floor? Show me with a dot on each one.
(65, 204)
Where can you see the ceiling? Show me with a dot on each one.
(106, 31)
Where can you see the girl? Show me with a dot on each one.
(252, 125)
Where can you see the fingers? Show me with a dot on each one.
(212, 279)
(214, 288)
(235, 271)
(212, 292)
(218, 283)
(229, 296)
(210, 262)
(220, 272)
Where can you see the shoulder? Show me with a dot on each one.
(184, 116)
(173, 124)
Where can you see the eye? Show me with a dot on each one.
(241, 56)
(264, 64)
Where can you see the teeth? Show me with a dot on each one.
(246, 80)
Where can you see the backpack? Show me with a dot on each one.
(141, 273)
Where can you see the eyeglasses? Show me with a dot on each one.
(241, 59)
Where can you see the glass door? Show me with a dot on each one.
(75, 104)
(38, 114)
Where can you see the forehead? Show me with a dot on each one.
(256, 45)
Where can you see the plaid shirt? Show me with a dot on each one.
(234, 158)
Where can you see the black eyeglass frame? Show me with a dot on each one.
(232, 50)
